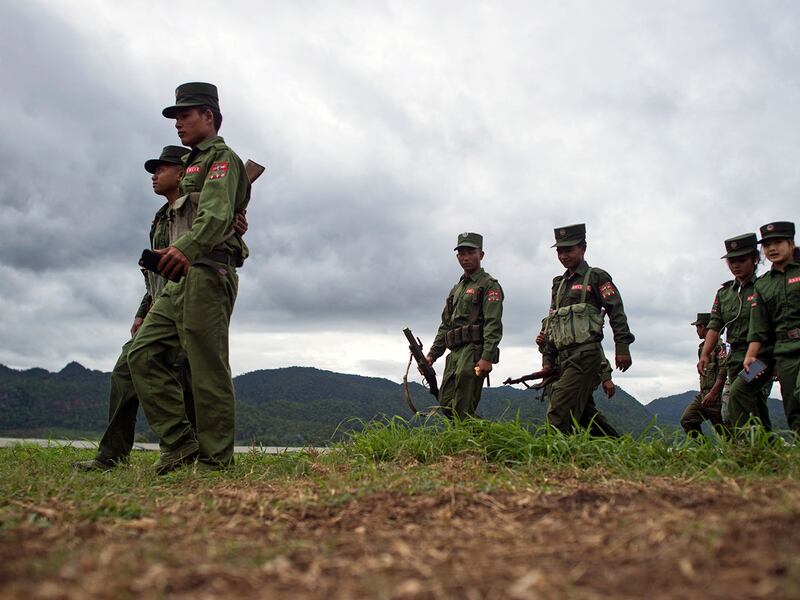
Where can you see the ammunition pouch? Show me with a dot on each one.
(576, 324)
(461, 336)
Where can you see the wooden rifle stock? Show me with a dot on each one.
(253, 170)
(546, 375)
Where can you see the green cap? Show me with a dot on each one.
(171, 155)
(702, 319)
(469, 240)
(778, 229)
(193, 94)
(569, 235)
(740, 245)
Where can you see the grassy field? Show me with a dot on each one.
(479, 510)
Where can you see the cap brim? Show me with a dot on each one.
(467, 245)
(742, 252)
(565, 243)
(151, 165)
(171, 111)
(776, 236)
(698, 323)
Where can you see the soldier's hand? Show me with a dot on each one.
(748, 360)
(483, 367)
(623, 361)
(240, 223)
(137, 322)
(708, 399)
(702, 365)
(609, 388)
(540, 338)
(172, 262)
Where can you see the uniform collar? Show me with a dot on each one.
(581, 270)
(161, 211)
(737, 285)
(791, 263)
(206, 144)
(474, 277)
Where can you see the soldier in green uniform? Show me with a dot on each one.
(471, 329)
(123, 404)
(579, 299)
(194, 313)
(730, 312)
(707, 405)
(775, 314)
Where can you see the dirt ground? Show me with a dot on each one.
(566, 539)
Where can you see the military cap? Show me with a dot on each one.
(740, 245)
(776, 230)
(569, 235)
(469, 240)
(702, 319)
(193, 94)
(171, 155)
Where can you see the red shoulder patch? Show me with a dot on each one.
(607, 289)
(794, 280)
(218, 170)
(493, 296)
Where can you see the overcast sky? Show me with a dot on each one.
(388, 128)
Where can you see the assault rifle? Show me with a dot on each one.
(547, 377)
(415, 346)
(253, 170)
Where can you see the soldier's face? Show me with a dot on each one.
(194, 126)
(167, 178)
(571, 256)
(469, 258)
(778, 250)
(701, 331)
(742, 267)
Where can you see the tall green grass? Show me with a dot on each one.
(512, 443)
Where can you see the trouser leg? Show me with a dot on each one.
(153, 360)
(460, 391)
(123, 404)
(208, 303)
(692, 417)
(596, 421)
(569, 395)
(789, 377)
(749, 399)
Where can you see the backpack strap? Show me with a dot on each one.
(585, 285)
(476, 310)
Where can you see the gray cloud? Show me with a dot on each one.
(387, 129)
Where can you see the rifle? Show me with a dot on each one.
(547, 376)
(253, 170)
(415, 346)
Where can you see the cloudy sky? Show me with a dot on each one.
(388, 128)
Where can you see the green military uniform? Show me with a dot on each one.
(123, 403)
(471, 329)
(775, 317)
(194, 313)
(695, 413)
(593, 419)
(574, 329)
(731, 313)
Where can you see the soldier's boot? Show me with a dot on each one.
(170, 462)
(94, 464)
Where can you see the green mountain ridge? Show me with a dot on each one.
(286, 406)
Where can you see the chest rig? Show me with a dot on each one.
(575, 324)
(472, 332)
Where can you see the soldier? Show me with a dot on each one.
(123, 404)
(471, 329)
(575, 331)
(775, 314)
(194, 312)
(731, 313)
(707, 405)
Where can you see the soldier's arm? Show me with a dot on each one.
(215, 206)
(716, 323)
(548, 350)
(492, 320)
(612, 302)
(760, 327)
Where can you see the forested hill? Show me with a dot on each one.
(289, 406)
